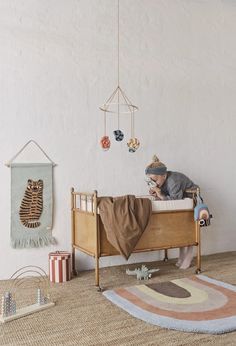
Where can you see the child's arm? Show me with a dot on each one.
(175, 191)
(156, 191)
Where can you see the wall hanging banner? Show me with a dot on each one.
(31, 204)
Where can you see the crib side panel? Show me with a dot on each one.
(169, 230)
(166, 230)
(85, 231)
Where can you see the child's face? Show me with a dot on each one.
(158, 179)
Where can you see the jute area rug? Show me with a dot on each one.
(83, 316)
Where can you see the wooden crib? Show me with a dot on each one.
(166, 230)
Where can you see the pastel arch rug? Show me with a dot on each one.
(196, 304)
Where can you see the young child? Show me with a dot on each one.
(167, 185)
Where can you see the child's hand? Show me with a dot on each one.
(152, 192)
(156, 191)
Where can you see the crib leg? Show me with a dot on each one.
(97, 274)
(166, 256)
(74, 271)
(198, 270)
(73, 206)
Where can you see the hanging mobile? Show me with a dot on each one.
(118, 103)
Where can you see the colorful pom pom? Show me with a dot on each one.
(119, 135)
(105, 143)
(133, 144)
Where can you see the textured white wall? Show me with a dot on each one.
(178, 64)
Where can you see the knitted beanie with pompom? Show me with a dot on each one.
(156, 167)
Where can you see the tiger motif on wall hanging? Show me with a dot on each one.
(32, 204)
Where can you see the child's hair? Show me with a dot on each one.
(156, 167)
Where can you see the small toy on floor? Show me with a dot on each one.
(142, 273)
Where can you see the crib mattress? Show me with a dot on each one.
(181, 204)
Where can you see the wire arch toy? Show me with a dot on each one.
(37, 281)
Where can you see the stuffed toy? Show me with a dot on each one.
(201, 213)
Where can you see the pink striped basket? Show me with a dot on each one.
(59, 266)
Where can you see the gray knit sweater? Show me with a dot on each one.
(175, 185)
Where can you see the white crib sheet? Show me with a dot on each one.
(180, 204)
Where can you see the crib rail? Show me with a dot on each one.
(193, 193)
(84, 201)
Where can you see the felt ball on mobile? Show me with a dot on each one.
(105, 143)
(119, 135)
(133, 144)
(132, 150)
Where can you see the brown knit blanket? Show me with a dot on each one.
(125, 219)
